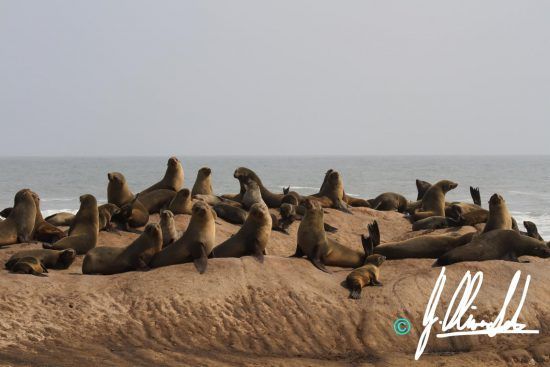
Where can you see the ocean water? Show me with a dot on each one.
(521, 180)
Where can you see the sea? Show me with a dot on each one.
(523, 181)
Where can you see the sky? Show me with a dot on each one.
(88, 78)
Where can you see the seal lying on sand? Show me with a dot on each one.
(51, 259)
(29, 265)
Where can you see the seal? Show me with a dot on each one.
(203, 183)
(320, 250)
(136, 256)
(196, 243)
(244, 174)
(498, 244)
(368, 274)
(422, 187)
(470, 218)
(499, 216)
(168, 226)
(422, 247)
(230, 213)
(133, 214)
(29, 265)
(251, 239)
(84, 230)
(51, 259)
(118, 191)
(436, 222)
(44, 231)
(172, 180)
(331, 193)
(181, 203)
(290, 213)
(532, 230)
(106, 213)
(433, 202)
(252, 195)
(61, 219)
(155, 200)
(19, 225)
(389, 201)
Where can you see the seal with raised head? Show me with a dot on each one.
(136, 256)
(433, 202)
(422, 247)
(51, 259)
(19, 225)
(532, 230)
(196, 243)
(173, 178)
(29, 265)
(498, 244)
(499, 216)
(181, 203)
(44, 231)
(203, 183)
(331, 193)
(251, 239)
(320, 250)
(244, 174)
(84, 230)
(168, 226)
(252, 195)
(118, 191)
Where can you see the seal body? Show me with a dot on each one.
(181, 203)
(331, 194)
(84, 230)
(44, 231)
(230, 213)
(29, 265)
(389, 201)
(422, 247)
(433, 202)
(106, 213)
(51, 259)
(435, 222)
(244, 174)
(498, 244)
(173, 178)
(368, 274)
(19, 225)
(155, 200)
(196, 243)
(252, 238)
(118, 192)
(114, 260)
(252, 195)
(499, 216)
(62, 219)
(203, 183)
(168, 226)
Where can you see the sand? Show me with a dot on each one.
(284, 312)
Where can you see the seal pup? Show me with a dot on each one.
(422, 247)
(173, 178)
(19, 225)
(244, 174)
(61, 219)
(532, 230)
(106, 213)
(51, 259)
(203, 183)
(196, 243)
(29, 265)
(230, 213)
(320, 250)
(499, 216)
(136, 256)
(252, 238)
(498, 244)
(331, 193)
(44, 231)
(84, 230)
(168, 226)
(118, 191)
(433, 202)
(368, 274)
(181, 203)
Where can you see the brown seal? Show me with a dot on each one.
(44, 231)
(532, 230)
(203, 183)
(136, 256)
(422, 247)
(173, 178)
(251, 239)
(51, 259)
(499, 216)
(106, 213)
(433, 202)
(61, 219)
(19, 225)
(84, 230)
(422, 187)
(436, 222)
(468, 217)
(155, 200)
(118, 191)
(133, 214)
(244, 174)
(498, 244)
(230, 213)
(389, 201)
(168, 226)
(331, 193)
(368, 274)
(252, 195)
(181, 203)
(196, 243)
(29, 265)
(320, 250)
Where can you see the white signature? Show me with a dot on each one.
(453, 320)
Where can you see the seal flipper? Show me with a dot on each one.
(374, 233)
(286, 190)
(200, 259)
(340, 205)
(257, 252)
(476, 197)
(329, 228)
(35, 273)
(355, 293)
(298, 253)
(316, 259)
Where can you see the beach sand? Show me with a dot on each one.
(284, 312)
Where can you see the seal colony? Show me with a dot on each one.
(259, 211)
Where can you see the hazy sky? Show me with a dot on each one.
(274, 77)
